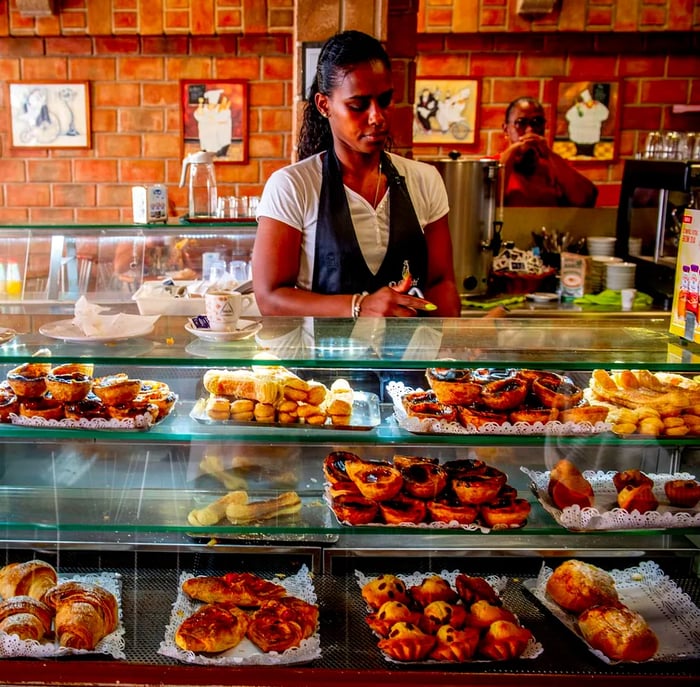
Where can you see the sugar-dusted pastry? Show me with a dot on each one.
(212, 629)
(576, 585)
(85, 613)
(25, 617)
(30, 578)
(619, 632)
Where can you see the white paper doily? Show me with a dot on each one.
(246, 653)
(112, 644)
(644, 588)
(140, 422)
(533, 648)
(397, 390)
(605, 514)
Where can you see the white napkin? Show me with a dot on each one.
(90, 322)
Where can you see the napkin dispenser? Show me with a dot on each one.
(150, 203)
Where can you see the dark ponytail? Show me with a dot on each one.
(339, 55)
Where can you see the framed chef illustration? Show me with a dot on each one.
(586, 119)
(215, 118)
(445, 111)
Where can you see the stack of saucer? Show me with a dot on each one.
(620, 275)
(601, 245)
(599, 264)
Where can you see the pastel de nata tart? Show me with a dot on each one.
(29, 379)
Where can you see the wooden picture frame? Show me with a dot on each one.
(445, 111)
(586, 115)
(50, 114)
(214, 117)
(309, 59)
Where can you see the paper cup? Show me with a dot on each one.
(223, 309)
(628, 298)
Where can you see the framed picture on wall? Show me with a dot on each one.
(445, 111)
(215, 118)
(50, 114)
(586, 119)
(309, 60)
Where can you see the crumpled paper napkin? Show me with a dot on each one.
(88, 319)
(614, 298)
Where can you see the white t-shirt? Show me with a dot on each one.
(291, 195)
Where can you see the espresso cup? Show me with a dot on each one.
(223, 309)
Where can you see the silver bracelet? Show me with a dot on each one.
(357, 303)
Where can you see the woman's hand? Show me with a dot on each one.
(388, 302)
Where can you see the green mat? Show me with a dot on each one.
(491, 302)
(614, 298)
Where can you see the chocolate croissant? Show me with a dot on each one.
(25, 617)
(212, 629)
(31, 578)
(85, 614)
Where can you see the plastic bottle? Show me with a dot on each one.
(683, 293)
(13, 281)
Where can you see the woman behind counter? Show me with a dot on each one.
(335, 228)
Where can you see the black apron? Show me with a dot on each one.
(339, 266)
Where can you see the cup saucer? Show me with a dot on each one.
(244, 329)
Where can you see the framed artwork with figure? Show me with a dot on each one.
(445, 111)
(50, 114)
(586, 119)
(215, 118)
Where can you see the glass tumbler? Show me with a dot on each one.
(653, 147)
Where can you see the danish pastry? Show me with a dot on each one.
(384, 588)
(271, 630)
(390, 613)
(455, 645)
(504, 640)
(406, 642)
(212, 629)
(433, 588)
(473, 589)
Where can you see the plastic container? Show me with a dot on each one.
(13, 280)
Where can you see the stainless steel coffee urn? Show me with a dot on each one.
(472, 189)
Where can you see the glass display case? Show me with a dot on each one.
(135, 500)
(108, 263)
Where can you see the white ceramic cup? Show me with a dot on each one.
(224, 308)
(628, 298)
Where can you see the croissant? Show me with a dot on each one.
(504, 640)
(85, 614)
(212, 629)
(31, 578)
(26, 617)
(271, 629)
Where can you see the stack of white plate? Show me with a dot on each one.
(599, 263)
(620, 275)
(601, 245)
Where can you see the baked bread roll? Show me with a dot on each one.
(576, 586)
(619, 632)
(85, 614)
(31, 578)
(212, 629)
(25, 617)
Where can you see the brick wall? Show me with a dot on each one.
(135, 55)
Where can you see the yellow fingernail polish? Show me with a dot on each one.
(430, 306)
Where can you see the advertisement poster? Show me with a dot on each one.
(685, 321)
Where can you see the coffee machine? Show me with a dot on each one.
(475, 226)
(653, 195)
